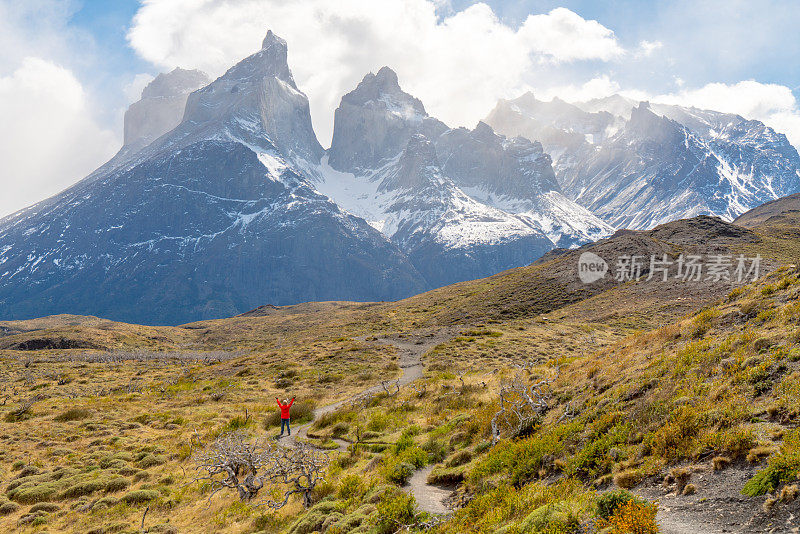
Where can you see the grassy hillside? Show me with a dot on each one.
(684, 394)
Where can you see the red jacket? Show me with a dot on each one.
(284, 408)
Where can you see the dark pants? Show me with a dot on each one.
(285, 423)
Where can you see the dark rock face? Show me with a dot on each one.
(514, 168)
(448, 236)
(489, 201)
(211, 219)
(203, 233)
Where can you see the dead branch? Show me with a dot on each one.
(520, 405)
(388, 390)
(234, 462)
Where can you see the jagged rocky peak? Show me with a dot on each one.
(375, 121)
(257, 102)
(270, 61)
(161, 106)
(516, 167)
(382, 90)
(176, 82)
(648, 127)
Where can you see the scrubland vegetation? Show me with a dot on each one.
(591, 412)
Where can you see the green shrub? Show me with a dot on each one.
(340, 429)
(32, 493)
(351, 486)
(556, 518)
(447, 476)
(436, 449)
(83, 488)
(150, 460)
(237, 423)
(676, 438)
(395, 510)
(782, 468)
(520, 459)
(115, 484)
(315, 517)
(608, 502)
(73, 414)
(415, 456)
(8, 507)
(140, 496)
(378, 422)
(48, 507)
(459, 458)
(593, 459)
(399, 472)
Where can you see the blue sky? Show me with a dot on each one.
(772, 59)
(69, 68)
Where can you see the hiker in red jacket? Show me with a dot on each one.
(285, 405)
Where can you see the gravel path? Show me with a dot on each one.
(410, 349)
(718, 506)
(429, 498)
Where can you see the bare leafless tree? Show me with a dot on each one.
(521, 404)
(235, 462)
(299, 468)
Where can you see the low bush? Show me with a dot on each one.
(628, 478)
(720, 462)
(83, 488)
(676, 439)
(140, 496)
(446, 476)
(398, 472)
(396, 509)
(634, 518)
(459, 458)
(608, 502)
(48, 507)
(782, 467)
(314, 518)
(151, 460)
(8, 507)
(73, 414)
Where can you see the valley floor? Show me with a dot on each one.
(573, 420)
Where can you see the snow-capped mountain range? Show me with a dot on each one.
(222, 199)
(637, 165)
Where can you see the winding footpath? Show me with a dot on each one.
(410, 349)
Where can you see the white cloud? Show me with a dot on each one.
(458, 63)
(563, 35)
(646, 48)
(51, 139)
(594, 88)
(772, 104)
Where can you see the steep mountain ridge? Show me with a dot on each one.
(638, 165)
(239, 205)
(510, 176)
(209, 220)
